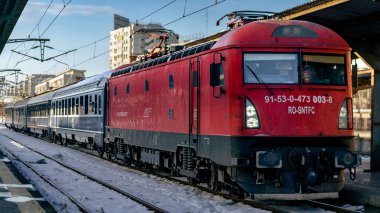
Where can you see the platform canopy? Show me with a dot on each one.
(10, 11)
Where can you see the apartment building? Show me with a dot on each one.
(67, 77)
(126, 45)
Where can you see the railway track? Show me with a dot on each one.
(81, 207)
(273, 207)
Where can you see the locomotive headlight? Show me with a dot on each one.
(344, 116)
(251, 116)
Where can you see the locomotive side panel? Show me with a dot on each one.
(151, 108)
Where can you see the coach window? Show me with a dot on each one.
(73, 106)
(171, 81)
(66, 108)
(86, 104)
(96, 104)
(270, 68)
(146, 86)
(69, 107)
(91, 105)
(59, 107)
(81, 106)
(53, 108)
(76, 106)
(100, 104)
(115, 91)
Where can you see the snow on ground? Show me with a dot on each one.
(170, 196)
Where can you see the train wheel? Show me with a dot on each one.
(100, 151)
(64, 141)
(111, 151)
(213, 178)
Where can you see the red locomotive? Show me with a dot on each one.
(267, 109)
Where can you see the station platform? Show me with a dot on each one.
(365, 189)
(16, 193)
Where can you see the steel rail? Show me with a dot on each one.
(46, 179)
(148, 205)
(330, 207)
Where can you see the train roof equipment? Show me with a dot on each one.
(161, 48)
(282, 34)
(240, 18)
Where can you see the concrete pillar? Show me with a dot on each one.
(375, 136)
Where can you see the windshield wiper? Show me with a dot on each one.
(259, 80)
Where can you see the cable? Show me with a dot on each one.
(157, 10)
(87, 60)
(64, 6)
(216, 2)
(41, 18)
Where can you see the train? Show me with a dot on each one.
(263, 111)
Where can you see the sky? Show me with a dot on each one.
(84, 22)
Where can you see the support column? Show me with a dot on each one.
(375, 135)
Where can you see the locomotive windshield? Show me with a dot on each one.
(270, 68)
(323, 69)
(283, 68)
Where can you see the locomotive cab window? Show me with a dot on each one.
(216, 75)
(323, 70)
(270, 68)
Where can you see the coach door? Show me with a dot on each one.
(194, 100)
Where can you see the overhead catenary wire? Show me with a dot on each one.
(157, 10)
(192, 13)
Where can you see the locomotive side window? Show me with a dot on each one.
(272, 68)
(195, 78)
(127, 89)
(115, 91)
(216, 75)
(146, 86)
(171, 81)
(324, 70)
